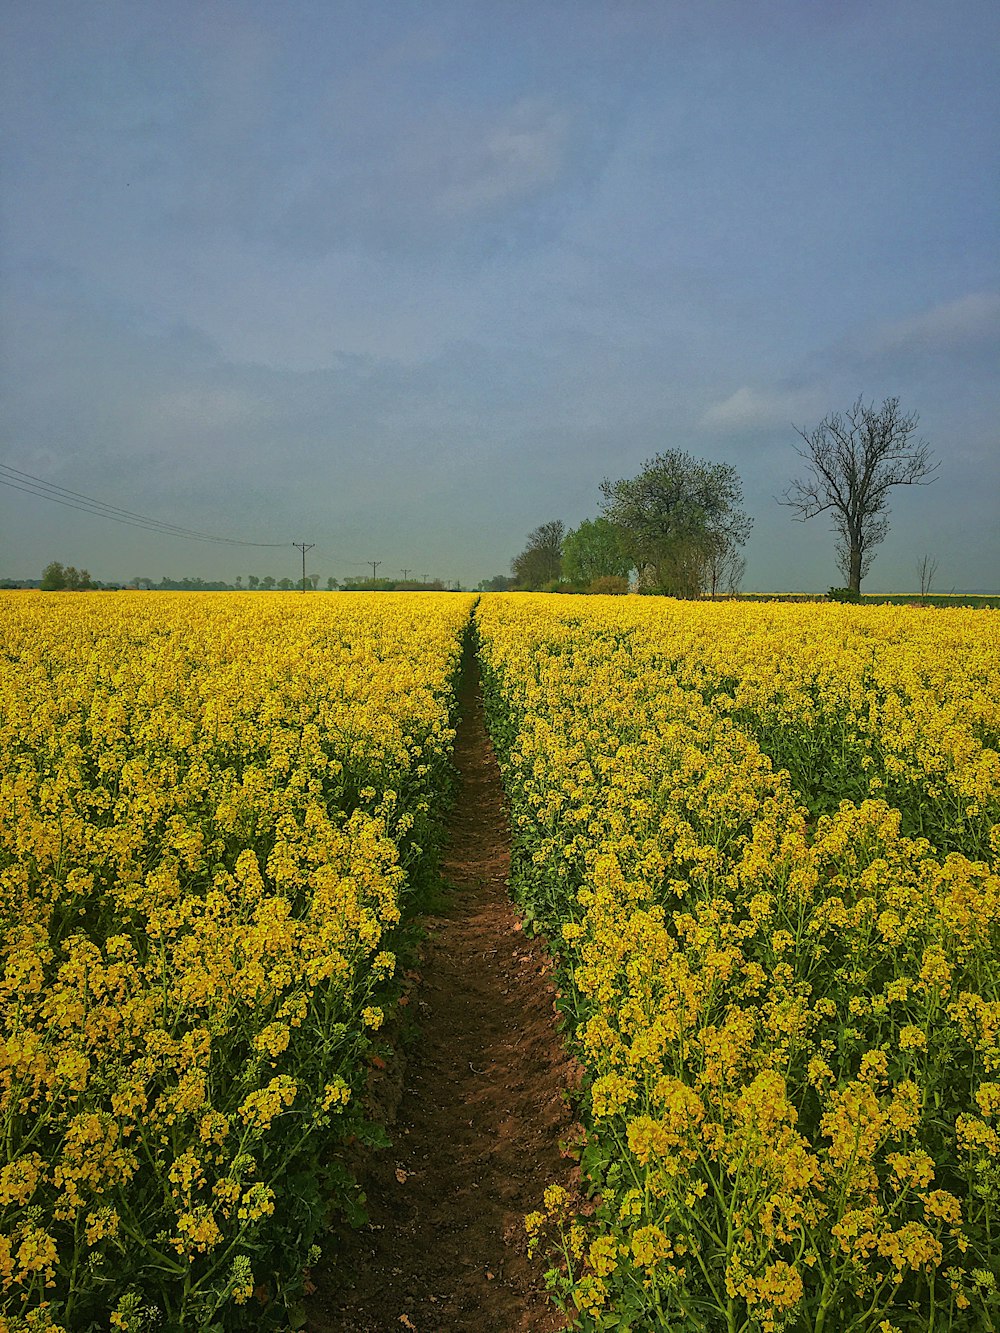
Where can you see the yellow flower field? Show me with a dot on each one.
(762, 839)
(211, 809)
(786, 1003)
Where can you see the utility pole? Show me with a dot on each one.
(405, 572)
(303, 547)
(374, 564)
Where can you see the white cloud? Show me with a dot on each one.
(970, 319)
(761, 409)
(509, 161)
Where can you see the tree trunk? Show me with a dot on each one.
(854, 583)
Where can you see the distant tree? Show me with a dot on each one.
(594, 551)
(498, 583)
(56, 576)
(332, 584)
(361, 584)
(733, 572)
(53, 577)
(541, 560)
(253, 582)
(267, 583)
(725, 568)
(854, 461)
(286, 585)
(926, 569)
(674, 517)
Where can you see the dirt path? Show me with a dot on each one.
(482, 1113)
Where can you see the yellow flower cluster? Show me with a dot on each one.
(788, 1007)
(211, 807)
(880, 701)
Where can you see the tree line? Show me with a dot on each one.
(57, 577)
(679, 527)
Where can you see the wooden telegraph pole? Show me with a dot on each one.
(303, 547)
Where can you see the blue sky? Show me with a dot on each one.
(408, 279)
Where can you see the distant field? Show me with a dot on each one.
(973, 599)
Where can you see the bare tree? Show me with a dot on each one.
(724, 568)
(854, 461)
(926, 569)
(734, 569)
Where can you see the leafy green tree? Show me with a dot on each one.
(267, 583)
(541, 560)
(673, 516)
(498, 583)
(53, 577)
(594, 551)
(286, 585)
(56, 576)
(853, 462)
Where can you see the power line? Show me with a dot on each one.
(163, 529)
(47, 490)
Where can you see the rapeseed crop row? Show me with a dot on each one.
(211, 809)
(858, 702)
(786, 1003)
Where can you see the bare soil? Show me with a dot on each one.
(483, 1114)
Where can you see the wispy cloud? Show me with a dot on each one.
(504, 163)
(970, 319)
(966, 326)
(430, 185)
(761, 409)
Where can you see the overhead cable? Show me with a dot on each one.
(47, 490)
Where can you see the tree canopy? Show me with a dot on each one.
(677, 518)
(541, 560)
(57, 577)
(594, 551)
